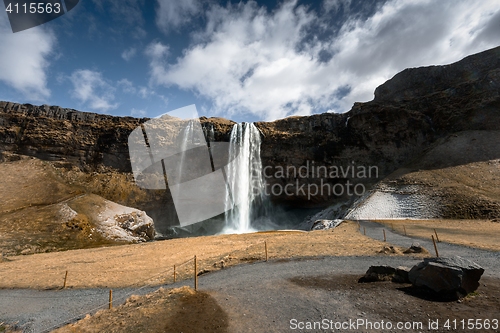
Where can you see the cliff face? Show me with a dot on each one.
(457, 97)
(409, 113)
(87, 140)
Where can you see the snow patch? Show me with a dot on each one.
(66, 213)
(390, 205)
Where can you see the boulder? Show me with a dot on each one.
(378, 273)
(386, 273)
(401, 275)
(326, 224)
(449, 277)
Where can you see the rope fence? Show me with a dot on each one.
(174, 274)
(403, 230)
(254, 252)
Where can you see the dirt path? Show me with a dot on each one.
(152, 263)
(262, 296)
(481, 234)
(259, 297)
(487, 259)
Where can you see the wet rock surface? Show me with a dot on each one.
(326, 224)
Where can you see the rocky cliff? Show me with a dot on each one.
(408, 115)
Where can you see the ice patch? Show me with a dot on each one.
(390, 205)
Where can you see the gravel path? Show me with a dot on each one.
(235, 288)
(256, 296)
(489, 260)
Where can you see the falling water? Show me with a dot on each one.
(188, 139)
(244, 178)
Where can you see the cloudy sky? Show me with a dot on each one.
(248, 60)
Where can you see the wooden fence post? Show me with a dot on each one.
(437, 238)
(65, 279)
(385, 239)
(195, 274)
(435, 246)
(265, 245)
(110, 298)
(175, 274)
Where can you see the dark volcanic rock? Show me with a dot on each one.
(415, 248)
(87, 140)
(461, 96)
(409, 113)
(449, 277)
(385, 273)
(378, 273)
(481, 68)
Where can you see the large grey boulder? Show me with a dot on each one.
(450, 277)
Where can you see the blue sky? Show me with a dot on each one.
(246, 61)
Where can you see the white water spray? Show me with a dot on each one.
(187, 139)
(244, 178)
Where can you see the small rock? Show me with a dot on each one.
(389, 250)
(326, 224)
(378, 273)
(415, 248)
(203, 271)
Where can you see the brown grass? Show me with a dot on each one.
(152, 263)
(161, 311)
(482, 234)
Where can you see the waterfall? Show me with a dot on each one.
(188, 138)
(244, 178)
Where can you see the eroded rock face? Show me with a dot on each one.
(481, 69)
(449, 277)
(409, 113)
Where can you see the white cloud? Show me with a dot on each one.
(24, 59)
(173, 14)
(138, 113)
(144, 92)
(128, 87)
(250, 60)
(90, 88)
(129, 53)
